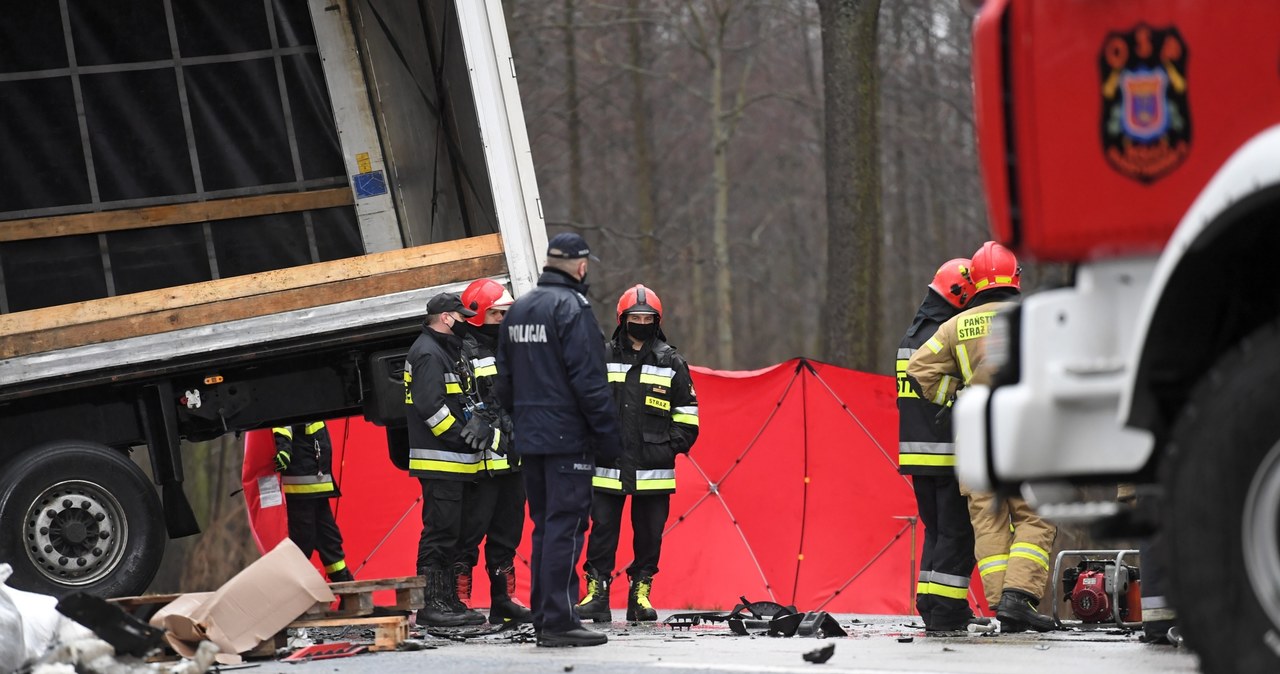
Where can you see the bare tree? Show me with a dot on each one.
(851, 81)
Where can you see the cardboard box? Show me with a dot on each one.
(251, 607)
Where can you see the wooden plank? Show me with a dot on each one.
(173, 214)
(248, 285)
(389, 631)
(156, 322)
(129, 603)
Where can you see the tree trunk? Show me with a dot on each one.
(720, 132)
(640, 136)
(574, 123)
(854, 228)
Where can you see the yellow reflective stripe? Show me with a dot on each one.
(934, 345)
(940, 398)
(451, 387)
(993, 564)
(615, 377)
(653, 485)
(444, 466)
(498, 463)
(606, 483)
(283, 430)
(443, 426)
(657, 380)
(926, 459)
(687, 419)
(486, 371)
(317, 488)
(922, 587)
(314, 427)
(962, 357)
(947, 591)
(1030, 551)
(336, 566)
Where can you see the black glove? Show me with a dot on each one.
(478, 434)
(282, 460)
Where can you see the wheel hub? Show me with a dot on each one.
(75, 532)
(1261, 535)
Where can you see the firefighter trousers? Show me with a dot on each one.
(648, 519)
(946, 562)
(313, 528)
(492, 511)
(1012, 545)
(442, 522)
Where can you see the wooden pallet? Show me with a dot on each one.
(356, 597)
(388, 631)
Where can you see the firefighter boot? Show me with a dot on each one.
(439, 597)
(341, 576)
(595, 606)
(1017, 613)
(452, 584)
(503, 607)
(638, 607)
(463, 575)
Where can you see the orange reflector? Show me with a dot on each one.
(213, 379)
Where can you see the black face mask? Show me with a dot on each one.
(642, 331)
(489, 330)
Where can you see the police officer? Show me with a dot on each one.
(441, 456)
(492, 507)
(304, 458)
(926, 452)
(658, 410)
(552, 377)
(1011, 542)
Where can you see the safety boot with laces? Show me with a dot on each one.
(503, 606)
(462, 576)
(595, 605)
(638, 607)
(1017, 613)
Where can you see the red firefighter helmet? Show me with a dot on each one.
(953, 283)
(482, 295)
(639, 300)
(995, 266)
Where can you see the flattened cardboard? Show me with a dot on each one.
(251, 607)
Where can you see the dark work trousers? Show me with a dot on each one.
(442, 522)
(312, 527)
(648, 518)
(946, 563)
(492, 510)
(559, 490)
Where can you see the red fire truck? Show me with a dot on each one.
(1139, 142)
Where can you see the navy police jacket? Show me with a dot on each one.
(551, 372)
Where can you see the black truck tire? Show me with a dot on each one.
(79, 516)
(1222, 489)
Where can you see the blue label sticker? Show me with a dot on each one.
(370, 184)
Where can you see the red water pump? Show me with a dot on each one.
(1092, 586)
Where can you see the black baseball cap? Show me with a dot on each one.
(448, 302)
(569, 246)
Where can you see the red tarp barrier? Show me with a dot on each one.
(791, 494)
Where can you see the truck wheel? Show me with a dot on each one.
(79, 516)
(1222, 486)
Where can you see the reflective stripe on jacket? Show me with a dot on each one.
(310, 470)
(956, 354)
(480, 350)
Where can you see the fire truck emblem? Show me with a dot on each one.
(1146, 122)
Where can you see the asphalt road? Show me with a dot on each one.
(874, 644)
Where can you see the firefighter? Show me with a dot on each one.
(304, 459)
(1011, 542)
(658, 410)
(551, 376)
(926, 452)
(492, 508)
(441, 454)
